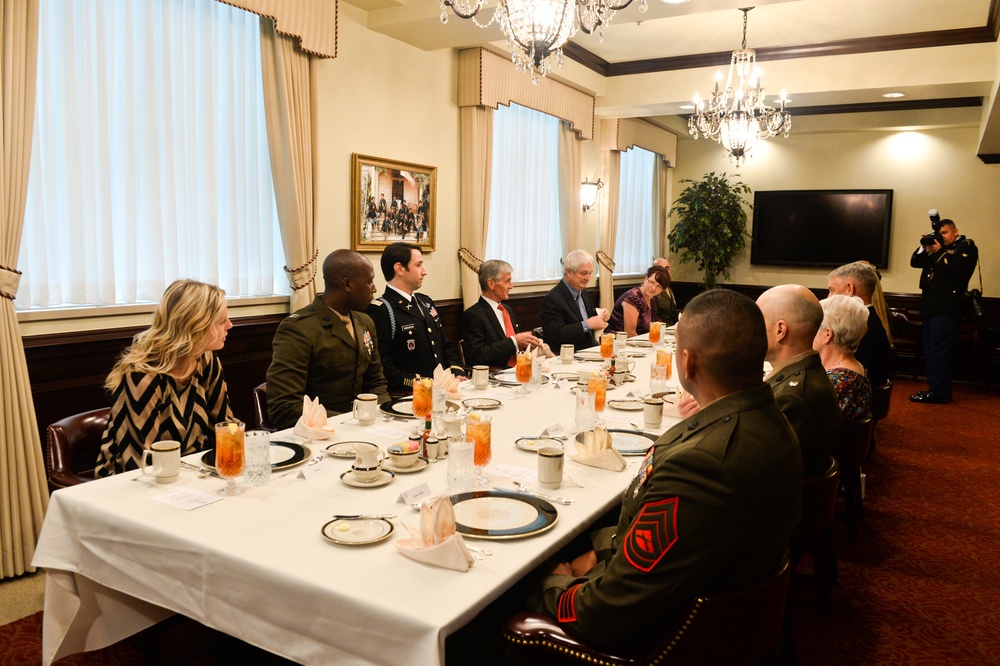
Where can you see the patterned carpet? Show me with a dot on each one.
(921, 586)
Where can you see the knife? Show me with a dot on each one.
(551, 498)
(201, 470)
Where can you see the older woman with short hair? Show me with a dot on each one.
(845, 321)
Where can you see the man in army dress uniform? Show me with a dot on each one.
(802, 388)
(411, 339)
(327, 350)
(713, 503)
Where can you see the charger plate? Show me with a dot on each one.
(626, 442)
(490, 514)
(284, 455)
(357, 531)
(404, 407)
(509, 378)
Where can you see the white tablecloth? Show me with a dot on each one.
(257, 567)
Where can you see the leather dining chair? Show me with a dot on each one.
(260, 417)
(72, 446)
(850, 451)
(750, 619)
(815, 531)
(881, 397)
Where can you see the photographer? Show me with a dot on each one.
(947, 261)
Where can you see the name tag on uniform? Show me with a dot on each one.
(407, 327)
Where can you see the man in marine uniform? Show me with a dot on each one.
(714, 501)
(874, 352)
(802, 388)
(411, 339)
(327, 350)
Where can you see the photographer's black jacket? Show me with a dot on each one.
(945, 275)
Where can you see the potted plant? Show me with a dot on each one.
(712, 224)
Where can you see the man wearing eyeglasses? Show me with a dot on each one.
(568, 315)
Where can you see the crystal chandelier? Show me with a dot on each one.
(537, 29)
(737, 117)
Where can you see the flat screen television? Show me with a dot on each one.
(821, 227)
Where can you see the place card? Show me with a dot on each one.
(312, 471)
(415, 495)
(554, 430)
(187, 498)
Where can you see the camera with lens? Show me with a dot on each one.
(935, 235)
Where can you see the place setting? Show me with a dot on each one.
(367, 469)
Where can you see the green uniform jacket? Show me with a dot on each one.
(315, 356)
(665, 309)
(807, 398)
(712, 506)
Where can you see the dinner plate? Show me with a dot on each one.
(284, 455)
(404, 407)
(588, 356)
(509, 378)
(627, 405)
(640, 343)
(418, 465)
(344, 449)
(384, 477)
(481, 403)
(562, 376)
(534, 443)
(489, 514)
(357, 531)
(626, 442)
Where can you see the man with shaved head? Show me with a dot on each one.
(328, 349)
(802, 389)
(715, 500)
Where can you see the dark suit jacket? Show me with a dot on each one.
(483, 339)
(561, 320)
(874, 352)
(805, 395)
(944, 277)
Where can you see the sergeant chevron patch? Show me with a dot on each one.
(653, 533)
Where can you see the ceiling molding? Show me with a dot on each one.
(990, 158)
(871, 107)
(916, 40)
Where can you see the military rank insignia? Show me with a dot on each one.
(653, 533)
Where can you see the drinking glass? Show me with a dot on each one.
(536, 374)
(479, 428)
(522, 369)
(654, 332)
(598, 385)
(657, 379)
(423, 397)
(665, 357)
(461, 470)
(257, 457)
(607, 345)
(229, 454)
(584, 410)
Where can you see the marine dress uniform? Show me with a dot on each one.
(315, 355)
(411, 339)
(807, 398)
(712, 506)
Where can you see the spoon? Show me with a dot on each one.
(312, 461)
(555, 498)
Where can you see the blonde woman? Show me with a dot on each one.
(845, 320)
(169, 384)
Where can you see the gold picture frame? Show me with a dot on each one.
(392, 201)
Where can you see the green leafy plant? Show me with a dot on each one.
(712, 224)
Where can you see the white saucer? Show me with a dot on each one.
(384, 477)
(418, 465)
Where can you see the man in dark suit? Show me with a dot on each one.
(411, 339)
(490, 332)
(802, 389)
(567, 313)
(874, 352)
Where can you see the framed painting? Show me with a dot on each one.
(392, 201)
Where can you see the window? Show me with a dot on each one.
(524, 224)
(149, 161)
(634, 251)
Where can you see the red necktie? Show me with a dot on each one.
(508, 329)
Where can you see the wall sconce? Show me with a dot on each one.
(588, 193)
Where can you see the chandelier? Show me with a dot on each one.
(537, 29)
(737, 117)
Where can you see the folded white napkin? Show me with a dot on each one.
(436, 542)
(449, 382)
(596, 451)
(313, 422)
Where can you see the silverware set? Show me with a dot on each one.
(523, 489)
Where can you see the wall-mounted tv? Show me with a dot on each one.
(821, 227)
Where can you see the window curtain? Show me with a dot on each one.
(661, 204)
(23, 492)
(476, 176)
(637, 211)
(285, 71)
(611, 170)
(570, 206)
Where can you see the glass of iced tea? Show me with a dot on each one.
(423, 397)
(607, 345)
(654, 332)
(598, 385)
(522, 368)
(229, 457)
(665, 357)
(479, 428)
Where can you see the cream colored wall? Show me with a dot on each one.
(925, 169)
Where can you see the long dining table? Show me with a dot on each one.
(256, 566)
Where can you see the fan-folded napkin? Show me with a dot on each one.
(596, 451)
(436, 542)
(448, 381)
(313, 423)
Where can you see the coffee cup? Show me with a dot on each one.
(566, 353)
(652, 412)
(366, 408)
(550, 466)
(366, 474)
(166, 456)
(480, 377)
(401, 457)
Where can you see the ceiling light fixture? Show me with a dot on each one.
(737, 117)
(537, 29)
(893, 95)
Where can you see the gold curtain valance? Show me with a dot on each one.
(488, 79)
(624, 133)
(312, 22)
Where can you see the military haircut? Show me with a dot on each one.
(796, 305)
(396, 253)
(726, 332)
(341, 264)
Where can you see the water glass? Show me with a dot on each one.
(536, 374)
(439, 402)
(257, 469)
(657, 379)
(584, 410)
(461, 469)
